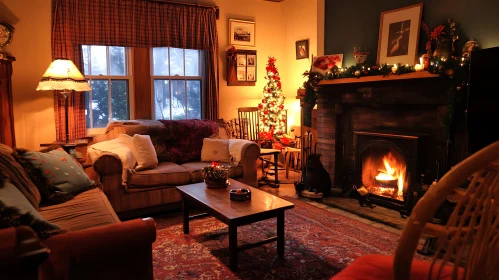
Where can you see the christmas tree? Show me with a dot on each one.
(272, 113)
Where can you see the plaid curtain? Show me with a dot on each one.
(131, 23)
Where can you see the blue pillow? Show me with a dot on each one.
(60, 170)
(16, 210)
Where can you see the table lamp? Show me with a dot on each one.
(63, 75)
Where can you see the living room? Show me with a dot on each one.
(279, 27)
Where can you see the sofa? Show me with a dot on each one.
(90, 241)
(178, 145)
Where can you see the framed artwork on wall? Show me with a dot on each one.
(301, 49)
(399, 35)
(241, 68)
(242, 32)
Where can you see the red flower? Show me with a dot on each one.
(214, 163)
(277, 146)
(439, 30)
(285, 140)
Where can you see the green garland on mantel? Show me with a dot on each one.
(454, 68)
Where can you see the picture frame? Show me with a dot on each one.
(242, 32)
(241, 59)
(241, 73)
(301, 49)
(251, 74)
(251, 59)
(399, 35)
(323, 64)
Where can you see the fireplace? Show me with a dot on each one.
(389, 165)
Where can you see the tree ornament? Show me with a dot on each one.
(357, 73)
(266, 112)
(260, 106)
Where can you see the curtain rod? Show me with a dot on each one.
(217, 9)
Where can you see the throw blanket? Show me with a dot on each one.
(236, 149)
(119, 148)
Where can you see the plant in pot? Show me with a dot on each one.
(444, 37)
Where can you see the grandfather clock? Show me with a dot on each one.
(7, 135)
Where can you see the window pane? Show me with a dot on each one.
(160, 61)
(192, 63)
(119, 99)
(87, 111)
(117, 61)
(85, 49)
(161, 99)
(176, 62)
(98, 60)
(100, 108)
(178, 100)
(194, 99)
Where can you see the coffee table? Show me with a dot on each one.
(217, 203)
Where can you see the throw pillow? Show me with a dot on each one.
(16, 210)
(215, 150)
(60, 170)
(127, 139)
(18, 176)
(144, 152)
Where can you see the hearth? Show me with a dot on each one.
(389, 165)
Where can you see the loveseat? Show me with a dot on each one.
(84, 236)
(178, 145)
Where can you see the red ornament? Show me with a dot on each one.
(365, 72)
(272, 103)
(260, 106)
(266, 112)
(283, 120)
(279, 84)
(281, 107)
(375, 67)
(264, 101)
(269, 90)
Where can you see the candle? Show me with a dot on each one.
(394, 68)
(425, 59)
(418, 67)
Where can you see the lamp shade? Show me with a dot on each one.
(62, 74)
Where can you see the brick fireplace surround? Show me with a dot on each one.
(411, 103)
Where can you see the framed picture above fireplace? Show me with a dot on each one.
(399, 35)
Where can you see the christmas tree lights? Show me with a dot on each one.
(272, 113)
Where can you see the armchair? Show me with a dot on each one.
(468, 245)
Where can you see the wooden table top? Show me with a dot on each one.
(218, 200)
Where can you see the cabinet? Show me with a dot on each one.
(7, 135)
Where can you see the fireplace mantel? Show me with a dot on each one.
(379, 78)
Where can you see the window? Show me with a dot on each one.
(177, 83)
(107, 70)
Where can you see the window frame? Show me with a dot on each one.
(200, 78)
(129, 77)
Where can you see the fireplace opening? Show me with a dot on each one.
(384, 173)
(386, 164)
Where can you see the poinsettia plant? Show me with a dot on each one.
(442, 34)
(278, 142)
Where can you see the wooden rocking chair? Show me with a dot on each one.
(467, 246)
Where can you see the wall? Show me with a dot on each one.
(352, 24)
(278, 27)
(33, 110)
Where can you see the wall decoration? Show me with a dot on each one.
(302, 49)
(241, 67)
(324, 63)
(399, 35)
(242, 32)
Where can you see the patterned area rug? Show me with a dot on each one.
(318, 245)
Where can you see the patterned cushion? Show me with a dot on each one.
(60, 170)
(215, 150)
(18, 176)
(166, 174)
(16, 210)
(187, 139)
(195, 170)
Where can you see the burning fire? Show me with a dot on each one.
(394, 172)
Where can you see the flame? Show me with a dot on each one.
(393, 171)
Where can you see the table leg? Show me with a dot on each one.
(233, 247)
(276, 168)
(280, 234)
(185, 211)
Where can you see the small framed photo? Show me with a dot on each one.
(250, 74)
(241, 73)
(251, 59)
(242, 32)
(399, 35)
(241, 60)
(302, 49)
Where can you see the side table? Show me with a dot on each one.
(264, 179)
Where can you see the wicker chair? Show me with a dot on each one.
(467, 246)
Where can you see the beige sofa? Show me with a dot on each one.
(154, 189)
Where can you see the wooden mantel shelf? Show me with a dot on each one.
(379, 78)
